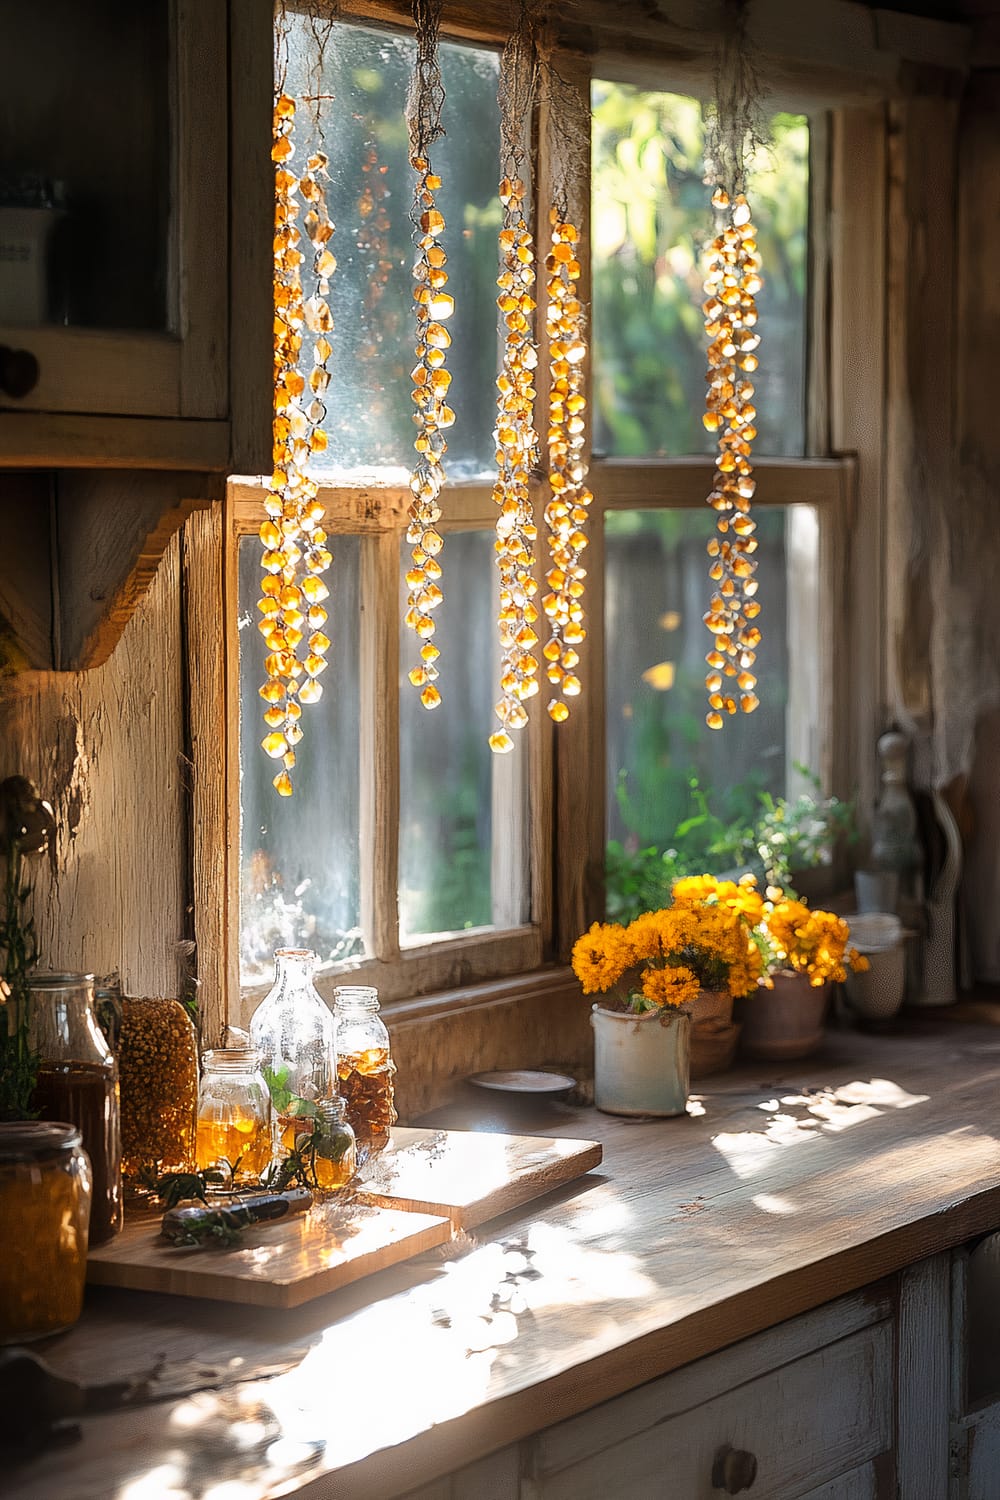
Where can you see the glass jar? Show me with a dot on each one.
(158, 1064)
(78, 1083)
(44, 1210)
(292, 1029)
(234, 1114)
(334, 1151)
(364, 1065)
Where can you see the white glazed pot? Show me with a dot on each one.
(641, 1063)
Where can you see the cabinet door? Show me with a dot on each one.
(113, 208)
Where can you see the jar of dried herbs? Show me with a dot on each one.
(158, 1067)
(364, 1065)
(45, 1190)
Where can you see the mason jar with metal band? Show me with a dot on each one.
(45, 1189)
(78, 1082)
(365, 1067)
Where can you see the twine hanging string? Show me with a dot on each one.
(516, 439)
(566, 511)
(735, 130)
(433, 307)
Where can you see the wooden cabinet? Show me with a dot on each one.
(136, 196)
(805, 1411)
(113, 223)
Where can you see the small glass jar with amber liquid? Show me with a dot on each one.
(234, 1115)
(365, 1067)
(332, 1147)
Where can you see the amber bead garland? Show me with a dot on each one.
(432, 416)
(516, 455)
(731, 284)
(294, 542)
(566, 513)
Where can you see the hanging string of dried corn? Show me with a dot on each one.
(295, 553)
(566, 512)
(732, 281)
(431, 379)
(516, 439)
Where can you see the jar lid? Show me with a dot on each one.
(28, 1140)
(363, 996)
(233, 1059)
(58, 981)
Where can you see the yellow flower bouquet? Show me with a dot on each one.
(807, 942)
(664, 958)
(789, 937)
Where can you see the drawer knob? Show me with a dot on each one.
(18, 371)
(734, 1470)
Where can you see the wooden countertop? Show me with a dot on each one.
(786, 1186)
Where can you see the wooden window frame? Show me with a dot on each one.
(841, 477)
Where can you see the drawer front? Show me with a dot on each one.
(805, 1425)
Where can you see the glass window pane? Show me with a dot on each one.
(672, 783)
(299, 855)
(456, 796)
(369, 194)
(650, 219)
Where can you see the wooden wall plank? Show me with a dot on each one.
(857, 421)
(207, 608)
(105, 747)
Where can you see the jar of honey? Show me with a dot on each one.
(45, 1191)
(78, 1082)
(234, 1115)
(364, 1065)
(333, 1147)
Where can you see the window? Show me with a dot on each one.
(409, 851)
(680, 800)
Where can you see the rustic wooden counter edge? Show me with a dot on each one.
(781, 1196)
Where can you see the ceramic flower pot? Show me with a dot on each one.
(785, 1022)
(641, 1063)
(713, 1035)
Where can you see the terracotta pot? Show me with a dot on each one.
(713, 1036)
(641, 1063)
(784, 1022)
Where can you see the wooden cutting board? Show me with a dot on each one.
(472, 1175)
(276, 1265)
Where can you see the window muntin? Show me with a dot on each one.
(649, 221)
(364, 84)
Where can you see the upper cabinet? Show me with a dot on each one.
(114, 212)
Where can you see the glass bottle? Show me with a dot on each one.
(234, 1114)
(44, 1211)
(334, 1152)
(292, 1029)
(158, 1068)
(78, 1083)
(364, 1065)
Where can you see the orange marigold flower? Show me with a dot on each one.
(601, 957)
(670, 986)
